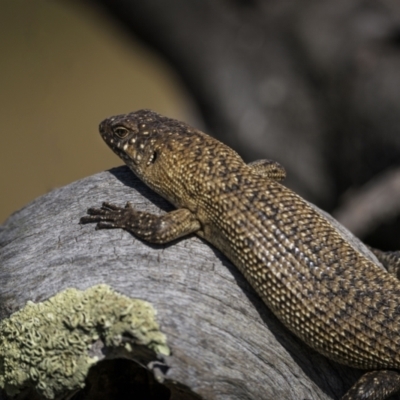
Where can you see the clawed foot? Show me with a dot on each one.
(109, 216)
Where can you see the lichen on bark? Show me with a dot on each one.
(48, 346)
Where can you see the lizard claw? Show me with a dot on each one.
(109, 206)
(96, 211)
(109, 216)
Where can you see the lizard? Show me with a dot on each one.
(319, 286)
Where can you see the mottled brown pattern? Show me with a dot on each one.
(319, 286)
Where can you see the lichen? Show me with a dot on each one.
(46, 346)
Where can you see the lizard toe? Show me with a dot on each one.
(109, 206)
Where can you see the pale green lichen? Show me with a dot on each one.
(47, 345)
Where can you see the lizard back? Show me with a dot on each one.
(319, 286)
(315, 282)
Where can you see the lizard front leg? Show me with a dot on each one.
(149, 227)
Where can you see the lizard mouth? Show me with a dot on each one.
(133, 154)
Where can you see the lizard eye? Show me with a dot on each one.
(121, 132)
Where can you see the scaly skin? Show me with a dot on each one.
(325, 291)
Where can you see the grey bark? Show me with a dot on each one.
(225, 343)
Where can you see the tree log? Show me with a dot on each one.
(225, 343)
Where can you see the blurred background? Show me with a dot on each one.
(65, 66)
(312, 84)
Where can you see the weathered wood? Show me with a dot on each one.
(225, 343)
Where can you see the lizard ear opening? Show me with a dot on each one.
(153, 158)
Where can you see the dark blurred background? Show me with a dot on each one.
(313, 84)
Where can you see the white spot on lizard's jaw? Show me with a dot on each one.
(125, 146)
(133, 140)
(150, 159)
(142, 146)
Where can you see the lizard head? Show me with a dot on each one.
(169, 156)
(141, 137)
(131, 137)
